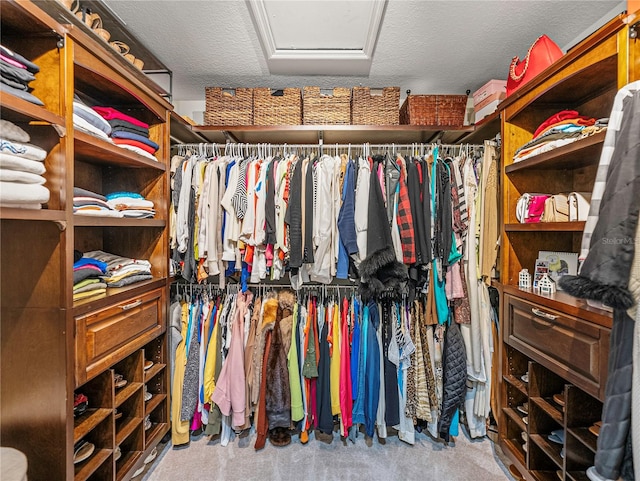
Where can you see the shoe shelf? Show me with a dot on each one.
(126, 392)
(515, 417)
(87, 421)
(153, 371)
(154, 402)
(85, 469)
(552, 450)
(577, 476)
(155, 433)
(585, 437)
(125, 427)
(516, 383)
(548, 408)
(125, 464)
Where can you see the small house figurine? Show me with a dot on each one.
(524, 279)
(546, 285)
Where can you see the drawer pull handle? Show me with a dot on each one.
(543, 314)
(131, 305)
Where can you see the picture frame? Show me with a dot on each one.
(560, 264)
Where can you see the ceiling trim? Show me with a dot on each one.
(316, 61)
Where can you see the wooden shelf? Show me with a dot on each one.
(26, 18)
(85, 423)
(484, 129)
(545, 227)
(86, 468)
(552, 451)
(126, 392)
(544, 475)
(515, 417)
(20, 110)
(515, 449)
(585, 436)
(577, 476)
(115, 295)
(342, 134)
(125, 427)
(549, 408)
(517, 383)
(580, 153)
(181, 131)
(153, 370)
(156, 432)
(126, 463)
(31, 214)
(90, 148)
(154, 402)
(80, 220)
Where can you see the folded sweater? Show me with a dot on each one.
(110, 113)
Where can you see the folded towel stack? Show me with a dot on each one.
(15, 74)
(122, 271)
(86, 202)
(88, 120)
(130, 204)
(87, 277)
(128, 132)
(21, 169)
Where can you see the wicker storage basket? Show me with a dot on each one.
(326, 109)
(440, 110)
(368, 109)
(228, 106)
(279, 107)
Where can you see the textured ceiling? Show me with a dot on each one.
(427, 46)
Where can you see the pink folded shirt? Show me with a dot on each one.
(10, 61)
(109, 113)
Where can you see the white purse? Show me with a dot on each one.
(579, 203)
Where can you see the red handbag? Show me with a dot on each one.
(541, 54)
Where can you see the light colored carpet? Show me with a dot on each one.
(464, 460)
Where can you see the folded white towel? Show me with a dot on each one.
(12, 132)
(15, 162)
(28, 151)
(13, 192)
(7, 175)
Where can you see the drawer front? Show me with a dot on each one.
(576, 349)
(105, 336)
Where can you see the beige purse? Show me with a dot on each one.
(579, 203)
(556, 209)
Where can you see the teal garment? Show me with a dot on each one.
(358, 408)
(454, 428)
(440, 296)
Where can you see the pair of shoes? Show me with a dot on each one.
(117, 414)
(279, 437)
(595, 428)
(525, 419)
(80, 404)
(148, 365)
(524, 436)
(525, 377)
(117, 453)
(559, 474)
(138, 471)
(147, 394)
(82, 451)
(524, 408)
(119, 380)
(147, 423)
(556, 436)
(515, 473)
(151, 457)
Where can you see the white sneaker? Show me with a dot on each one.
(138, 472)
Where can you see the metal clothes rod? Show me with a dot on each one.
(238, 145)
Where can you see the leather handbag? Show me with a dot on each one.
(542, 53)
(556, 209)
(579, 203)
(530, 207)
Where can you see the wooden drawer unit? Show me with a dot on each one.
(573, 348)
(107, 335)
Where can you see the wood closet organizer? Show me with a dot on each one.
(52, 346)
(561, 342)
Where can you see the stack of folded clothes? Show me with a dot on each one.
(86, 202)
(15, 74)
(87, 277)
(130, 204)
(86, 119)
(128, 132)
(21, 169)
(122, 271)
(560, 129)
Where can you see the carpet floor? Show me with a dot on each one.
(203, 459)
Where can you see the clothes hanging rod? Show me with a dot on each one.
(221, 146)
